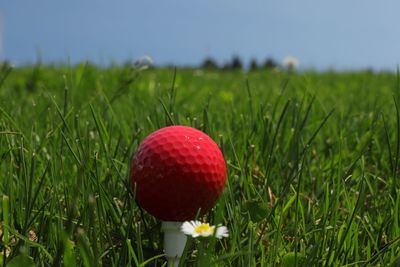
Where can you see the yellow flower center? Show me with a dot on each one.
(204, 227)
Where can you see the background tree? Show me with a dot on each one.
(209, 63)
(253, 64)
(270, 63)
(236, 63)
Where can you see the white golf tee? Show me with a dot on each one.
(174, 242)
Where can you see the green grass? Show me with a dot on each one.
(313, 165)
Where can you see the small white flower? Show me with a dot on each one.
(144, 62)
(290, 63)
(196, 229)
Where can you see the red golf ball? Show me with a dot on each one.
(176, 172)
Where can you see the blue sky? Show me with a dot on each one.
(343, 34)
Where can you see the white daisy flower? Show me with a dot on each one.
(196, 229)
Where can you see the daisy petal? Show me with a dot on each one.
(187, 228)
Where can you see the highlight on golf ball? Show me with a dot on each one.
(177, 172)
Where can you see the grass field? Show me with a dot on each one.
(313, 164)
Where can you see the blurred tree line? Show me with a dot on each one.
(236, 64)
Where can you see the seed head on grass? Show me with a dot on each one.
(32, 236)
